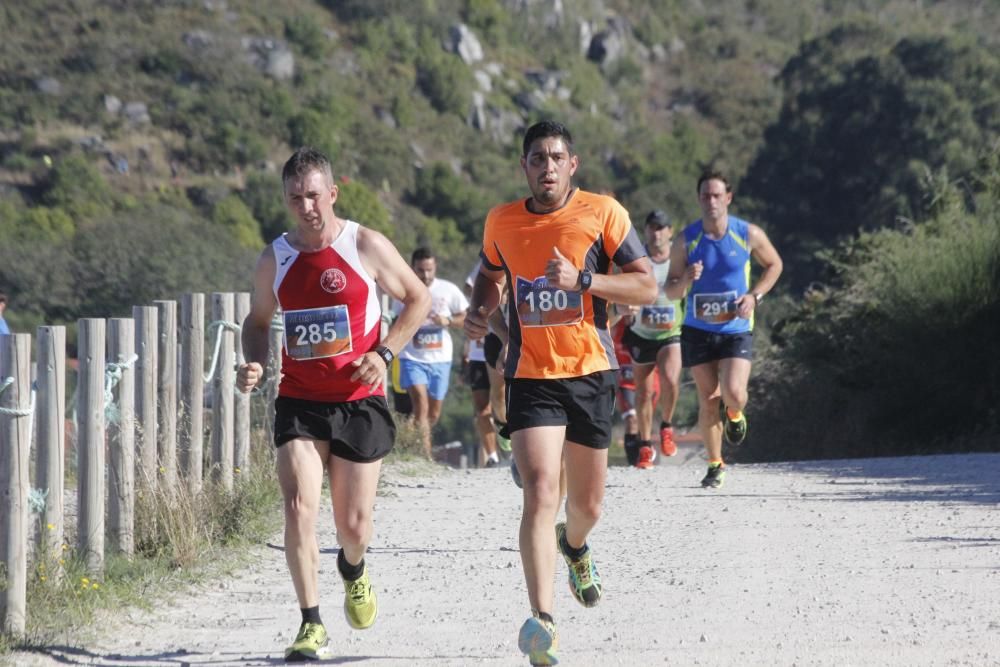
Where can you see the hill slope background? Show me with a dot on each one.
(140, 143)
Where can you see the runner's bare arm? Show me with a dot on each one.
(681, 275)
(765, 254)
(381, 259)
(485, 299)
(256, 332)
(768, 258)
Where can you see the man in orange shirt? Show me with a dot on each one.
(555, 250)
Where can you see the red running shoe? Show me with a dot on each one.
(647, 455)
(667, 445)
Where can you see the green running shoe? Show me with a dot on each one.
(715, 477)
(538, 640)
(312, 643)
(360, 603)
(735, 431)
(503, 443)
(584, 579)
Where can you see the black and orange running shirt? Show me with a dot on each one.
(558, 333)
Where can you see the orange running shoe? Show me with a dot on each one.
(647, 455)
(667, 445)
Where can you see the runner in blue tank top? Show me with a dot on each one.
(710, 266)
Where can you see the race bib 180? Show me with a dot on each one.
(715, 308)
(661, 318)
(316, 333)
(539, 305)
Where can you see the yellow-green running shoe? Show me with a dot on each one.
(311, 643)
(734, 430)
(503, 443)
(538, 640)
(584, 579)
(715, 476)
(360, 603)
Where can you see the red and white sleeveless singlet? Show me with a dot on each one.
(331, 315)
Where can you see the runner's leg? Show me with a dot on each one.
(352, 491)
(586, 470)
(538, 454)
(644, 389)
(706, 380)
(734, 375)
(300, 475)
(668, 364)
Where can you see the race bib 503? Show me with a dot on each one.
(429, 338)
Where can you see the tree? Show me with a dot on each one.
(861, 126)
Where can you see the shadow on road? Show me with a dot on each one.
(957, 478)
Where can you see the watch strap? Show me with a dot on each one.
(386, 354)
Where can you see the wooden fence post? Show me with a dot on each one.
(223, 386)
(241, 425)
(145, 393)
(50, 430)
(166, 390)
(121, 473)
(90, 444)
(15, 445)
(192, 397)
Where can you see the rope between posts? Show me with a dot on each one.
(17, 412)
(219, 325)
(112, 376)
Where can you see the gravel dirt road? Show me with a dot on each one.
(854, 562)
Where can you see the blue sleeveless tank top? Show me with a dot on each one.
(725, 278)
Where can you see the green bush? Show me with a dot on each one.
(443, 194)
(264, 196)
(358, 202)
(237, 219)
(883, 353)
(307, 34)
(75, 184)
(443, 78)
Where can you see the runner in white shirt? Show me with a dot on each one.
(481, 379)
(425, 362)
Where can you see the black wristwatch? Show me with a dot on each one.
(586, 278)
(386, 354)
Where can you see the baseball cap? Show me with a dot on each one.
(657, 218)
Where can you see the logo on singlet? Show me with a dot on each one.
(333, 280)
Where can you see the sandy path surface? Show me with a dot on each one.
(860, 562)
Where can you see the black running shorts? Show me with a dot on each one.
(643, 350)
(476, 376)
(361, 431)
(492, 347)
(584, 405)
(701, 347)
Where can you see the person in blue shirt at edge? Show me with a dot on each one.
(4, 329)
(710, 265)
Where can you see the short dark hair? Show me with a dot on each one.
(544, 129)
(658, 217)
(421, 254)
(304, 160)
(713, 174)
(3, 298)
